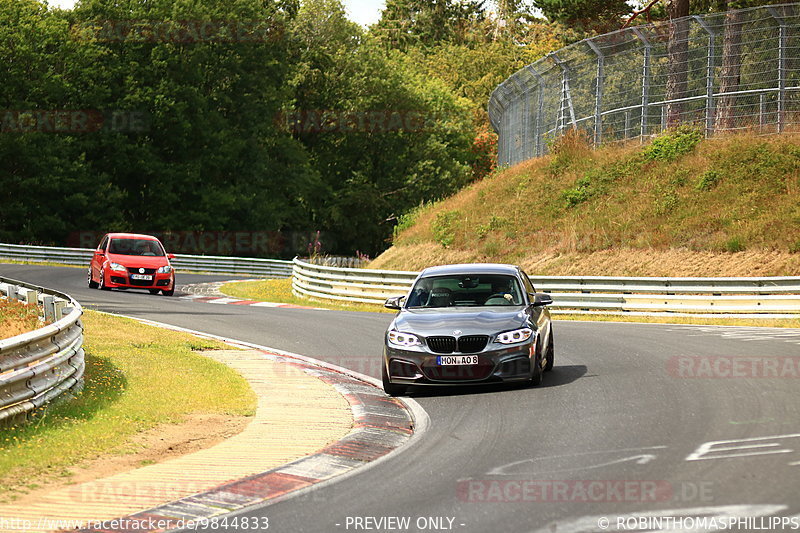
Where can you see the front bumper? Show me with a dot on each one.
(116, 279)
(499, 365)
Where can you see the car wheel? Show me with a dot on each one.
(550, 353)
(390, 388)
(169, 292)
(103, 281)
(154, 291)
(92, 283)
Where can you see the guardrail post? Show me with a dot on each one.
(48, 304)
(709, 75)
(645, 80)
(58, 309)
(598, 93)
(782, 37)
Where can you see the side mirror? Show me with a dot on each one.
(394, 302)
(540, 299)
(170, 256)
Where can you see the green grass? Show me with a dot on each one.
(137, 377)
(280, 291)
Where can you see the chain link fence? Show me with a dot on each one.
(737, 70)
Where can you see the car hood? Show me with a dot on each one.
(468, 320)
(138, 261)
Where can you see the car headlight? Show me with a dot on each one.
(405, 340)
(515, 336)
(164, 270)
(117, 267)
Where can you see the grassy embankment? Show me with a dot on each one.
(680, 206)
(137, 378)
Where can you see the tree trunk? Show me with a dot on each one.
(730, 75)
(678, 52)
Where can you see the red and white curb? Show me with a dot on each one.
(210, 293)
(381, 427)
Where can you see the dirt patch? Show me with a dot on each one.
(159, 444)
(615, 262)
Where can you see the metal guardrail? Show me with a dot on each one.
(730, 71)
(38, 366)
(771, 297)
(197, 263)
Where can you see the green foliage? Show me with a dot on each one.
(427, 22)
(708, 180)
(734, 244)
(443, 227)
(673, 144)
(407, 220)
(794, 248)
(494, 223)
(578, 194)
(584, 13)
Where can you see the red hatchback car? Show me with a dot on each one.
(132, 261)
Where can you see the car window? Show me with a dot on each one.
(141, 247)
(465, 291)
(103, 243)
(527, 282)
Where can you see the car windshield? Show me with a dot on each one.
(135, 247)
(465, 291)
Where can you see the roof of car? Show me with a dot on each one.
(471, 268)
(131, 236)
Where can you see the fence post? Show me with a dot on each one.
(645, 80)
(781, 66)
(539, 111)
(566, 95)
(598, 93)
(709, 75)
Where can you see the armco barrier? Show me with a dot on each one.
(40, 365)
(767, 297)
(199, 263)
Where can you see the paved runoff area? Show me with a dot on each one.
(311, 424)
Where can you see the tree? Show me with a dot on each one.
(427, 22)
(678, 53)
(584, 14)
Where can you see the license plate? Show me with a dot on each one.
(447, 360)
(143, 277)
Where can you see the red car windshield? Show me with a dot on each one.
(145, 247)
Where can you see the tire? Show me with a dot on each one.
(154, 291)
(390, 388)
(550, 353)
(536, 370)
(170, 292)
(92, 283)
(103, 281)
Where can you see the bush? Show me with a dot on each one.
(673, 144)
(578, 194)
(734, 244)
(707, 181)
(443, 227)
